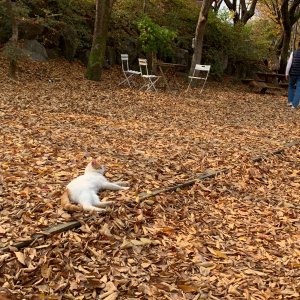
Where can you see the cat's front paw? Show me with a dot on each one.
(123, 183)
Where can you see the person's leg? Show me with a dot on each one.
(296, 99)
(291, 89)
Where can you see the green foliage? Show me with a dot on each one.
(237, 44)
(13, 52)
(179, 16)
(5, 25)
(265, 34)
(165, 25)
(76, 15)
(155, 38)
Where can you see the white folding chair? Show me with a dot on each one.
(127, 72)
(200, 73)
(149, 80)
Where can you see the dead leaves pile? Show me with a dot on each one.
(232, 237)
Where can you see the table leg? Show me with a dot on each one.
(175, 80)
(164, 77)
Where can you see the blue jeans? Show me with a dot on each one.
(294, 90)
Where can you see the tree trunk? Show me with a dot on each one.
(247, 14)
(216, 5)
(295, 34)
(284, 50)
(13, 42)
(199, 35)
(97, 55)
(289, 17)
(241, 13)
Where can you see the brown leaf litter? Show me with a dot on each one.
(235, 236)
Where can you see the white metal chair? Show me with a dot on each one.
(127, 72)
(200, 73)
(150, 80)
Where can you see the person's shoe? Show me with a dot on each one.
(290, 104)
(293, 107)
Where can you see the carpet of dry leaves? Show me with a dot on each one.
(235, 236)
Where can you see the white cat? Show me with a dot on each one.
(83, 189)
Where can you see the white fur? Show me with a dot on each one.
(83, 189)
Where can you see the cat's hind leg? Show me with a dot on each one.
(113, 186)
(122, 183)
(86, 200)
(98, 203)
(93, 208)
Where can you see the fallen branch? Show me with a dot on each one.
(145, 195)
(278, 151)
(46, 232)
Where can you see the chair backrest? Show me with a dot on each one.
(124, 61)
(201, 69)
(143, 66)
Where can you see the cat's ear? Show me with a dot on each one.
(94, 163)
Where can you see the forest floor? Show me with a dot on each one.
(235, 236)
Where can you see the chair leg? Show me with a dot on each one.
(202, 86)
(189, 85)
(144, 85)
(152, 85)
(126, 80)
(149, 86)
(155, 83)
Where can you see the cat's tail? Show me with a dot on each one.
(66, 203)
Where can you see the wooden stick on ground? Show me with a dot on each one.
(145, 195)
(278, 151)
(46, 232)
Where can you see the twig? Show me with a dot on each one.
(145, 195)
(278, 151)
(46, 232)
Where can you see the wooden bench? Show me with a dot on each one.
(271, 77)
(266, 81)
(284, 84)
(260, 86)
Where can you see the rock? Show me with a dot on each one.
(35, 50)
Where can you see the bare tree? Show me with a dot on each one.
(242, 12)
(285, 14)
(199, 35)
(289, 16)
(97, 55)
(216, 5)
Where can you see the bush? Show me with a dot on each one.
(226, 47)
(155, 38)
(57, 16)
(230, 48)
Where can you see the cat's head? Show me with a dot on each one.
(95, 166)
